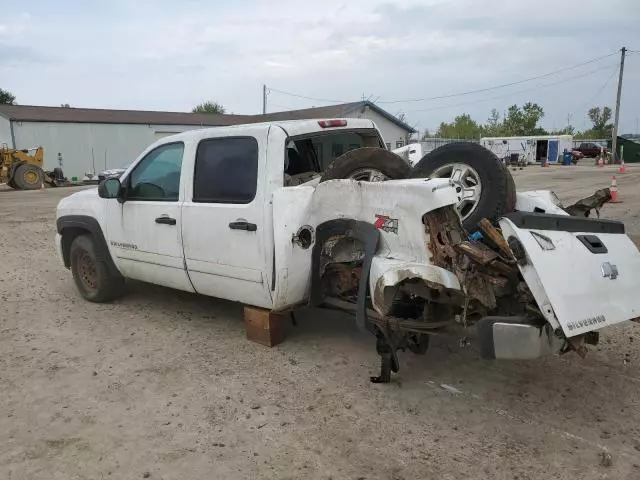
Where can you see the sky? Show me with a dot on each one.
(168, 55)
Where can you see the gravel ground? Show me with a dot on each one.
(163, 384)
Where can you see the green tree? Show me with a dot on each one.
(463, 126)
(587, 134)
(426, 134)
(568, 130)
(7, 98)
(523, 121)
(493, 127)
(209, 107)
(600, 118)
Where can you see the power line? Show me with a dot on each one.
(564, 80)
(458, 94)
(308, 98)
(604, 85)
(510, 84)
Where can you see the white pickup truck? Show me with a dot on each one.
(264, 215)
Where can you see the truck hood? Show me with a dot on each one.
(79, 203)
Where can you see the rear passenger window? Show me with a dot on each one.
(226, 170)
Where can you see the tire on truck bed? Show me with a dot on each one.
(497, 190)
(367, 164)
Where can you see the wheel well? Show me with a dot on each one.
(70, 226)
(69, 234)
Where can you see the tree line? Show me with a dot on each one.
(518, 122)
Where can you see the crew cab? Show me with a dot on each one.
(266, 215)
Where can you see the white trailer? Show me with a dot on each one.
(534, 149)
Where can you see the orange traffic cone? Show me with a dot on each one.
(622, 169)
(601, 158)
(613, 189)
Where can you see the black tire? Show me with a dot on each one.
(355, 162)
(28, 177)
(498, 193)
(10, 173)
(58, 174)
(92, 277)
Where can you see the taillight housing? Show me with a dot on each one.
(340, 122)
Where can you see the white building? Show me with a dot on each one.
(90, 140)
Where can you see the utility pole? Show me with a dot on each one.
(614, 140)
(264, 99)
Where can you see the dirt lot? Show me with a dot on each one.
(163, 384)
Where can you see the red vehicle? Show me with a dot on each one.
(591, 149)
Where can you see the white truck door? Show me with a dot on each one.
(144, 231)
(224, 230)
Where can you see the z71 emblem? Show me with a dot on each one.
(386, 223)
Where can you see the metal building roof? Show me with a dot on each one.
(33, 113)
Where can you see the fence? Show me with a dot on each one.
(429, 144)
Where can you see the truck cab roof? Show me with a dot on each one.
(293, 128)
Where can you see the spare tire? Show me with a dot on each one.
(367, 164)
(485, 187)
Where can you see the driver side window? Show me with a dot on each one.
(157, 176)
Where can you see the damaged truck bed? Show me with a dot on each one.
(537, 284)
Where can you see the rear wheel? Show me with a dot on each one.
(367, 164)
(28, 177)
(92, 277)
(484, 185)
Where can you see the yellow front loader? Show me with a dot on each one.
(22, 170)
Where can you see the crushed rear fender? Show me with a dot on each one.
(386, 273)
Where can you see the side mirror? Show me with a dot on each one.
(109, 188)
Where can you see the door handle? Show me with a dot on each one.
(166, 220)
(249, 227)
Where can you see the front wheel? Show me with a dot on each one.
(28, 177)
(92, 277)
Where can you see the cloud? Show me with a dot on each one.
(172, 55)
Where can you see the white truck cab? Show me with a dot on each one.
(245, 213)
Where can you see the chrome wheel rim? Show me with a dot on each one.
(467, 183)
